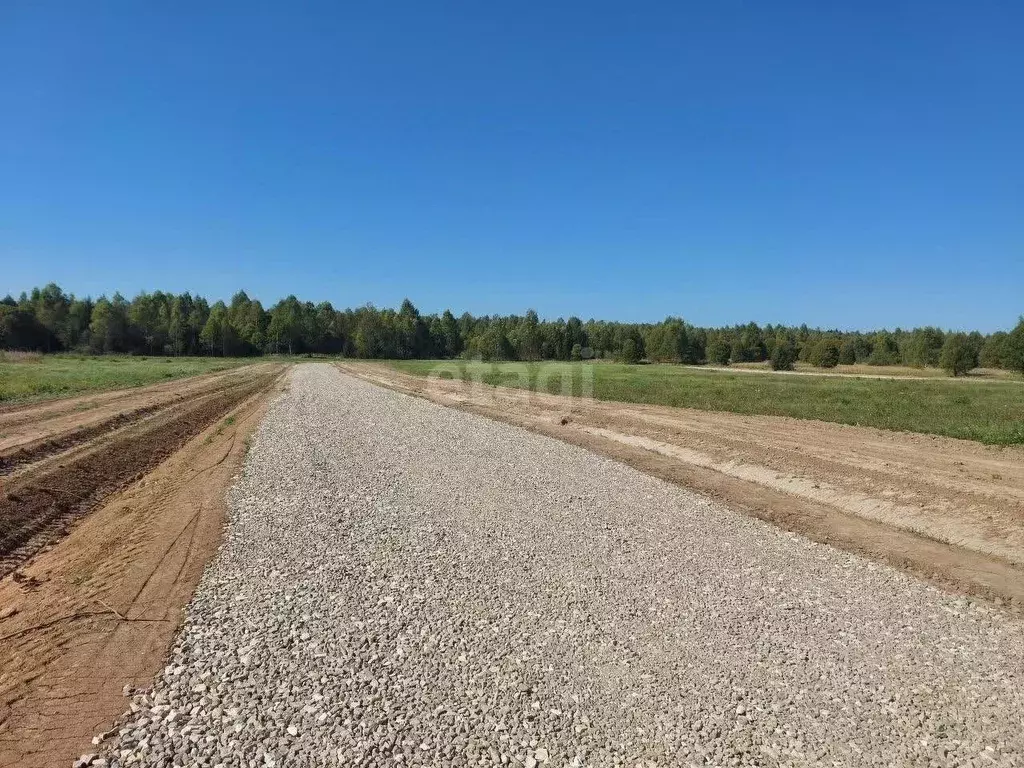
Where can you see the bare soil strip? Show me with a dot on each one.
(32, 451)
(949, 510)
(24, 425)
(43, 437)
(38, 504)
(98, 609)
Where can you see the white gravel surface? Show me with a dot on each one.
(402, 584)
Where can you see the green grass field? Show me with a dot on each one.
(25, 378)
(989, 412)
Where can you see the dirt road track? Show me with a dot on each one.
(98, 609)
(950, 510)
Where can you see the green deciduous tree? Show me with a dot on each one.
(748, 344)
(993, 351)
(958, 355)
(50, 306)
(825, 353)
(450, 336)
(285, 329)
(218, 336)
(884, 350)
(108, 329)
(76, 330)
(1013, 348)
(718, 352)
(630, 353)
(19, 329)
(923, 347)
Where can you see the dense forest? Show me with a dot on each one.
(49, 320)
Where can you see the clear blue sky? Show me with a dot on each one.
(845, 164)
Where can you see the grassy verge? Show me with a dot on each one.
(989, 412)
(24, 378)
(885, 371)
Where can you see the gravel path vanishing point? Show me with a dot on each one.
(403, 584)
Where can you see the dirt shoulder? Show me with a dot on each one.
(950, 510)
(98, 610)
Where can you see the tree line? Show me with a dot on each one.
(49, 320)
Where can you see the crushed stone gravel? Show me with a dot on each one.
(404, 584)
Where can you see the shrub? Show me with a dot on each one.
(805, 349)
(993, 350)
(718, 352)
(783, 356)
(958, 355)
(825, 353)
(848, 352)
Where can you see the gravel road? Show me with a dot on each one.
(403, 584)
